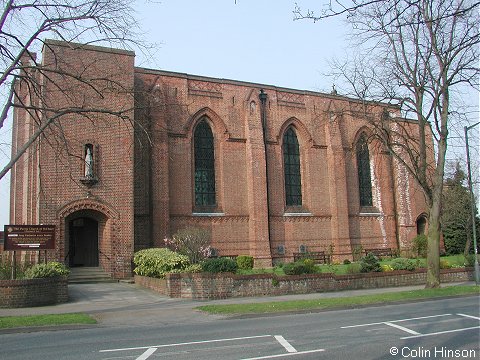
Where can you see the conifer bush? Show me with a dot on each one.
(370, 263)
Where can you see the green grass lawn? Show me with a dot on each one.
(340, 302)
(342, 269)
(45, 320)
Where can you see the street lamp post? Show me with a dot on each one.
(475, 250)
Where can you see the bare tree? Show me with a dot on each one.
(24, 25)
(334, 8)
(414, 54)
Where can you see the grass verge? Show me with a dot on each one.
(45, 320)
(340, 302)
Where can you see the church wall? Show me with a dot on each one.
(330, 217)
(145, 187)
(61, 164)
(24, 176)
(410, 202)
(142, 168)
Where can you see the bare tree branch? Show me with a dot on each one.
(24, 25)
(414, 54)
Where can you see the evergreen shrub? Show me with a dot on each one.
(386, 267)
(245, 262)
(444, 264)
(306, 266)
(419, 245)
(50, 269)
(218, 265)
(403, 264)
(354, 268)
(370, 263)
(470, 260)
(6, 266)
(190, 269)
(157, 262)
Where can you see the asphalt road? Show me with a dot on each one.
(438, 329)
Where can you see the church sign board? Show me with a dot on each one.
(29, 237)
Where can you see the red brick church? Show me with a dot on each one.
(268, 171)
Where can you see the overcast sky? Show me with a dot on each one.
(248, 40)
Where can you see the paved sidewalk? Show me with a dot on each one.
(120, 304)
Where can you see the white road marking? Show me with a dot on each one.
(285, 355)
(440, 332)
(187, 343)
(147, 354)
(285, 344)
(402, 328)
(395, 321)
(470, 316)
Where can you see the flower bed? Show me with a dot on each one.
(226, 285)
(33, 292)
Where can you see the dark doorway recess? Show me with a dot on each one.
(83, 242)
(421, 224)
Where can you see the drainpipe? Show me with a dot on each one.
(395, 204)
(263, 113)
(391, 164)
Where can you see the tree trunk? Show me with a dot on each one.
(434, 227)
(468, 243)
(433, 247)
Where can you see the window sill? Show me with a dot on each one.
(208, 214)
(297, 214)
(369, 211)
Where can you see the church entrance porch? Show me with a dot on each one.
(86, 239)
(90, 236)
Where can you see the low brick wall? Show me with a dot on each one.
(33, 292)
(158, 285)
(205, 286)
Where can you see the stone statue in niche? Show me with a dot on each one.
(89, 163)
(253, 107)
(90, 178)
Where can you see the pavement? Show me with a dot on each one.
(124, 304)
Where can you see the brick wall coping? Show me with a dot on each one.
(74, 45)
(33, 292)
(318, 275)
(203, 286)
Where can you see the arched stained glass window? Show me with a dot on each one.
(204, 165)
(363, 167)
(291, 167)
